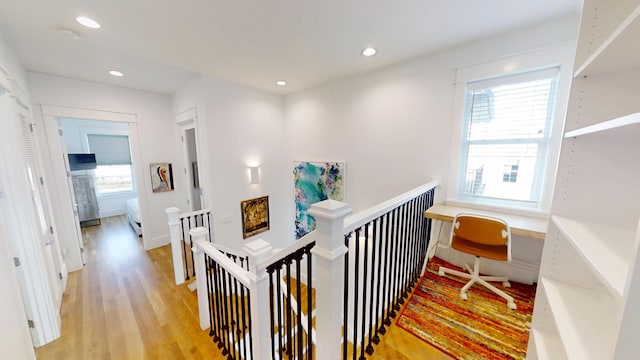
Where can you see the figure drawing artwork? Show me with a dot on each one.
(161, 177)
(314, 182)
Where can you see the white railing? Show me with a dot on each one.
(181, 244)
(329, 244)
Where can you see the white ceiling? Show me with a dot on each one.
(161, 44)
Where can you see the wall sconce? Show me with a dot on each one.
(254, 175)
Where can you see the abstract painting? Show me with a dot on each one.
(314, 182)
(255, 216)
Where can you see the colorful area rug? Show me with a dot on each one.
(479, 328)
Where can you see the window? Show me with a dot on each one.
(113, 157)
(505, 137)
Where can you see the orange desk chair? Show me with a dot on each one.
(485, 237)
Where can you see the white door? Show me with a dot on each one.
(19, 209)
(69, 179)
(48, 241)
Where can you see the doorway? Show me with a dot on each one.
(187, 128)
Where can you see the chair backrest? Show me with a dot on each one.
(481, 236)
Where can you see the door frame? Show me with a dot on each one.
(60, 170)
(185, 121)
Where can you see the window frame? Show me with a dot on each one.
(553, 56)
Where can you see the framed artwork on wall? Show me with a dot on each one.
(161, 177)
(314, 182)
(255, 216)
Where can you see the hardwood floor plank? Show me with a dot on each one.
(124, 304)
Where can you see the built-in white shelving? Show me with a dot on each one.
(547, 345)
(610, 260)
(617, 123)
(583, 323)
(588, 297)
(618, 52)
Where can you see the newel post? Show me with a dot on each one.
(257, 252)
(176, 251)
(199, 235)
(329, 275)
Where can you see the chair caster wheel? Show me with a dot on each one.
(511, 305)
(463, 296)
(506, 284)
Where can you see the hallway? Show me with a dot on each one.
(124, 305)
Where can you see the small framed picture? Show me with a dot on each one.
(255, 216)
(161, 177)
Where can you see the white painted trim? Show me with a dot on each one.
(90, 114)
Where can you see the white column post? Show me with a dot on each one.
(199, 235)
(329, 276)
(258, 251)
(176, 250)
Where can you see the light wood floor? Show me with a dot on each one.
(125, 305)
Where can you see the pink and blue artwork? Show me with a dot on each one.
(315, 182)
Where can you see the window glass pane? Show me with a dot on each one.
(112, 178)
(505, 137)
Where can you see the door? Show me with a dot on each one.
(47, 239)
(69, 180)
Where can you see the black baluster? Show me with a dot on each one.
(307, 252)
(299, 302)
(374, 238)
(209, 292)
(379, 301)
(346, 298)
(184, 249)
(280, 308)
(289, 344)
(271, 311)
(250, 330)
(355, 293)
(364, 291)
(218, 305)
(244, 322)
(225, 349)
(403, 255)
(386, 285)
(394, 263)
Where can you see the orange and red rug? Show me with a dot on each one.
(479, 328)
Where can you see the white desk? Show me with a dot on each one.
(531, 227)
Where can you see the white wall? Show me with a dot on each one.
(15, 340)
(393, 126)
(155, 136)
(238, 127)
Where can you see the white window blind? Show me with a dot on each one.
(507, 123)
(110, 149)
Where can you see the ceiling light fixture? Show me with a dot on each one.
(281, 83)
(369, 52)
(88, 22)
(116, 73)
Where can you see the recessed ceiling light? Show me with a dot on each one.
(281, 83)
(369, 52)
(116, 73)
(90, 23)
